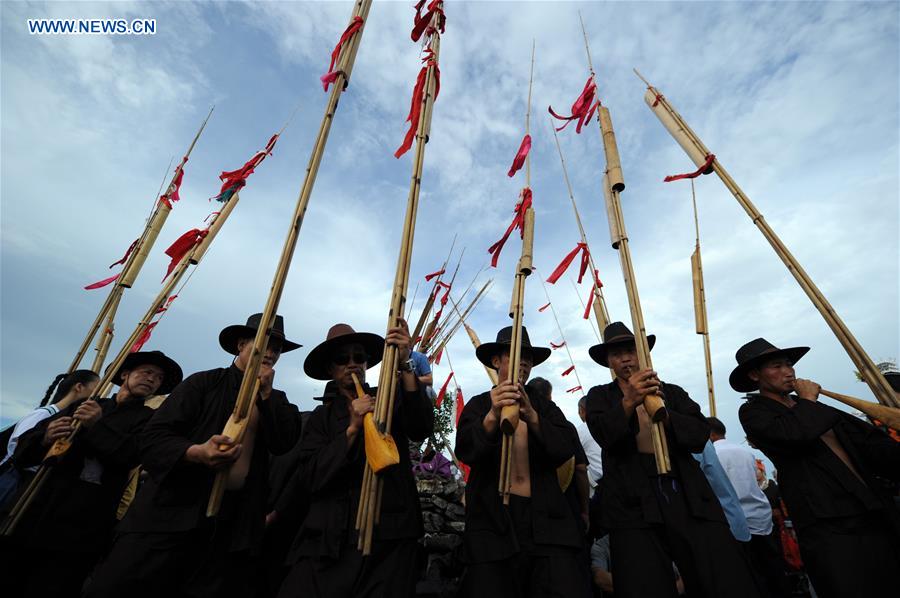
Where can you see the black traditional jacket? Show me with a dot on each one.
(815, 484)
(76, 508)
(175, 496)
(490, 534)
(331, 474)
(627, 497)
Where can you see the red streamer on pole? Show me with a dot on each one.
(165, 306)
(517, 222)
(460, 405)
(145, 336)
(182, 245)
(415, 109)
(519, 160)
(557, 346)
(235, 180)
(582, 109)
(172, 193)
(443, 392)
(102, 283)
(331, 76)
(574, 389)
(428, 277)
(710, 158)
(567, 261)
(543, 307)
(421, 23)
(569, 370)
(590, 301)
(127, 253)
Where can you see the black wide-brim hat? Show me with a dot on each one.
(172, 371)
(486, 351)
(230, 335)
(616, 333)
(319, 359)
(754, 353)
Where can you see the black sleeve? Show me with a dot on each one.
(417, 412)
(280, 422)
(554, 435)
(114, 438)
(789, 428)
(606, 419)
(324, 458)
(687, 426)
(30, 449)
(880, 451)
(473, 443)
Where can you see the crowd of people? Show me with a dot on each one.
(123, 512)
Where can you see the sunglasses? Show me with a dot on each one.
(344, 358)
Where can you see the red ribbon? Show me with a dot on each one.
(421, 23)
(659, 96)
(710, 158)
(235, 180)
(145, 336)
(166, 305)
(443, 392)
(127, 253)
(171, 194)
(182, 245)
(415, 109)
(519, 160)
(582, 109)
(517, 222)
(559, 346)
(102, 283)
(590, 301)
(574, 389)
(569, 370)
(542, 308)
(564, 264)
(428, 277)
(460, 405)
(331, 76)
(437, 358)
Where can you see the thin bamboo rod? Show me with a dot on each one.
(105, 339)
(583, 307)
(476, 342)
(700, 306)
(695, 148)
(449, 332)
(562, 336)
(435, 326)
(429, 303)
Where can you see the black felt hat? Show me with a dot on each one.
(318, 360)
(230, 335)
(172, 371)
(615, 334)
(755, 353)
(486, 351)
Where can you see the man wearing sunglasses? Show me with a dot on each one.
(324, 558)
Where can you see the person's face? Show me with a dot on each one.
(501, 364)
(582, 413)
(622, 359)
(85, 390)
(270, 358)
(347, 360)
(144, 380)
(774, 376)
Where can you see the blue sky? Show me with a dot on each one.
(798, 100)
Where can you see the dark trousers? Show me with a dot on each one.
(390, 571)
(709, 559)
(851, 557)
(768, 564)
(180, 564)
(536, 571)
(36, 573)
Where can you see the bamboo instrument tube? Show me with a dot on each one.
(613, 165)
(890, 416)
(525, 265)
(694, 147)
(133, 267)
(492, 374)
(615, 233)
(700, 324)
(700, 319)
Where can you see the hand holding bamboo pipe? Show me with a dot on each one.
(381, 450)
(890, 416)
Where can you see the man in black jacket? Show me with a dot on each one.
(324, 558)
(70, 522)
(655, 520)
(165, 544)
(831, 467)
(529, 547)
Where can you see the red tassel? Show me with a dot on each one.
(569, 370)
(331, 76)
(415, 109)
(422, 23)
(519, 160)
(574, 389)
(460, 405)
(172, 193)
(145, 336)
(235, 180)
(182, 245)
(542, 308)
(127, 253)
(559, 346)
(582, 109)
(443, 392)
(518, 222)
(102, 283)
(564, 264)
(428, 277)
(692, 175)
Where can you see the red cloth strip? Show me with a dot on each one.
(559, 346)
(564, 264)
(583, 108)
(182, 245)
(127, 253)
(443, 391)
(422, 23)
(569, 370)
(543, 307)
(519, 160)
(590, 301)
(142, 340)
(691, 175)
(460, 405)
(235, 180)
(331, 76)
(574, 389)
(102, 283)
(166, 305)
(171, 195)
(659, 97)
(428, 277)
(517, 222)
(415, 109)
(437, 358)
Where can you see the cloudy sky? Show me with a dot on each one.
(799, 101)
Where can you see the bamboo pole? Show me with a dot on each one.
(250, 382)
(429, 303)
(562, 336)
(105, 339)
(700, 319)
(476, 342)
(435, 325)
(700, 155)
(584, 307)
(368, 513)
(445, 339)
(136, 259)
